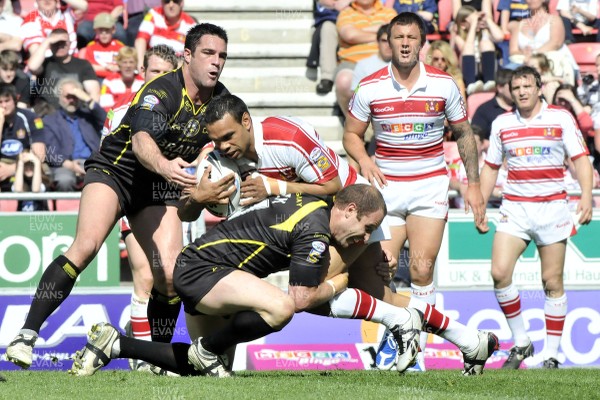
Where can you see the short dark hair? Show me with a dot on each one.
(366, 197)
(382, 29)
(408, 18)
(225, 104)
(162, 51)
(503, 76)
(197, 31)
(8, 89)
(525, 70)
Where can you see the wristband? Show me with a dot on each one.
(330, 283)
(282, 187)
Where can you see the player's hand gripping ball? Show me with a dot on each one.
(221, 166)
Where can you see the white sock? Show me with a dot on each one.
(555, 310)
(356, 304)
(426, 294)
(140, 327)
(466, 339)
(116, 349)
(510, 303)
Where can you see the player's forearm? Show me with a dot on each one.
(488, 179)
(585, 175)
(147, 152)
(330, 187)
(188, 210)
(354, 146)
(467, 148)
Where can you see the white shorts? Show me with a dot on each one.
(426, 198)
(383, 231)
(544, 223)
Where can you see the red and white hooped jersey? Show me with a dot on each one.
(114, 91)
(115, 115)
(290, 149)
(409, 126)
(535, 151)
(155, 30)
(37, 26)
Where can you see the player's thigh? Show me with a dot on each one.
(98, 212)
(424, 238)
(506, 250)
(241, 291)
(158, 231)
(340, 259)
(553, 263)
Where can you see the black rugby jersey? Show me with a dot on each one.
(289, 233)
(163, 109)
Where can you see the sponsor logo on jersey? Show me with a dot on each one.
(11, 147)
(149, 102)
(320, 159)
(384, 109)
(529, 151)
(313, 256)
(417, 129)
(503, 218)
(319, 246)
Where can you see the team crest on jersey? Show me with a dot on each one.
(21, 133)
(320, 159)
(549, 132)
(432, 106)
(192, 128)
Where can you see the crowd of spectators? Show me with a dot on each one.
(478, 49)
(63, 66)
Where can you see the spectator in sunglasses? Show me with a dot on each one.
(165, 24)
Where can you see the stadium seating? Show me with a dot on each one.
(585, 55)
(475, 100)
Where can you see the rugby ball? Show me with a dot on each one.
(221, 166)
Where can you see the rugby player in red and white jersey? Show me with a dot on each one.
(157, 61)
(407, 103)
(534, 139)
(291, 158)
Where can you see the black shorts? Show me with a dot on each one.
(193, 278)
(134, 194)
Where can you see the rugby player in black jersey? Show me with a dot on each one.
(139, 172)
(220, 275)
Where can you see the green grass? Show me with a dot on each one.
(574, 383)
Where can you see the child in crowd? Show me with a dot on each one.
(29, 177)
(102, 52)
(10, 73)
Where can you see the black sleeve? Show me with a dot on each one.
(310, 250)
(151, 112)
(87, 71)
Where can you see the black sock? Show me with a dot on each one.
(244, 327)
(488, 65)
(469, 69)
(170, 356)
(162, 316)
(54, 287)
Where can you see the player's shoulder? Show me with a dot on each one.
(165, 89)
(378, 76)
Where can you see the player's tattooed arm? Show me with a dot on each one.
(467, 148)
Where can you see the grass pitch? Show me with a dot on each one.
(573, 383)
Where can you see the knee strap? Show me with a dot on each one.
(156, 295)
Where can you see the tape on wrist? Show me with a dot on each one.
(330, 283)
(282, 187)
(267, 184)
